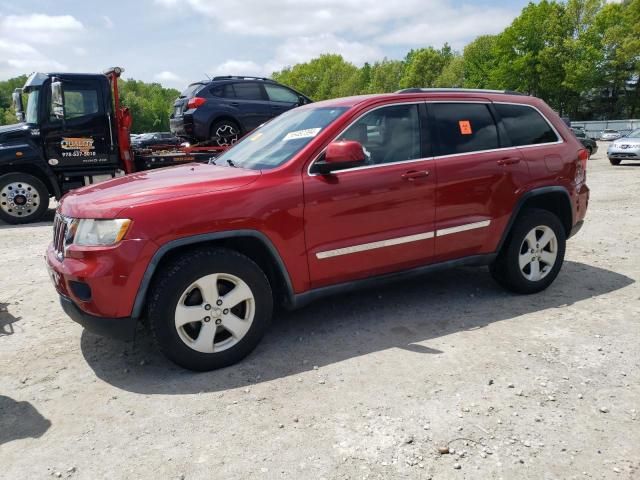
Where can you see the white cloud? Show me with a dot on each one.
(404, 22)
(302, 49)
(107, 21)
(456, 27)
(170, 78)
(39, 28)
(239, 67)
(298, 50)
(17, 58)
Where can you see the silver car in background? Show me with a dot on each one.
(608, 135)
(625, 148)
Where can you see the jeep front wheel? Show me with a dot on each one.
(209, 308)
(533, 254)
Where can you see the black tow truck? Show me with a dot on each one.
(73, 132)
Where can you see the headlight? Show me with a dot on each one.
(90, 232)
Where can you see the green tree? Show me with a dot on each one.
(424, 66)
(327, 76)
(479, 62)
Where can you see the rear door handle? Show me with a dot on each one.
(415, 174)
(234, 104)
(508, 161)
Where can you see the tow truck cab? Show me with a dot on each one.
(63, 143)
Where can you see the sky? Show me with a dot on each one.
(176, 42)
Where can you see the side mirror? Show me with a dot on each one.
(16, 96)
(301, 100)
(57, 99)
(341, 155)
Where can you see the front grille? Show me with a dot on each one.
(60, 226)
(622, 155)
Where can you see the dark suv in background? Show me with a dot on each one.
(225, 108)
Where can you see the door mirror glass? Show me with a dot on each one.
(340, 155)
(57, 99)
(16, 96)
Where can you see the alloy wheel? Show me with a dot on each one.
(215, 312)
(226, 135)
(538, 253)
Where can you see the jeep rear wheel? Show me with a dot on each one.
(225, 133)
(210, 308)
(533, 254)
(23, 198)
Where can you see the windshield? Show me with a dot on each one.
(634, 134)
(31, 114)
(279, 140)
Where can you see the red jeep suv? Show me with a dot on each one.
(325, 198)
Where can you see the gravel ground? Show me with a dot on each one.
(363, 386)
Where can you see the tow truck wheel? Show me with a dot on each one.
(23, 198)
(225, 133)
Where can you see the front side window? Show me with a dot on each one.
(390, 134)
(280, 139)
(31, 113)
(464, 127)
(280, 94)
(80, 102)
(525, 126)
(248, 91)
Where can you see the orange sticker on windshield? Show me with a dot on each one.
(465, 127)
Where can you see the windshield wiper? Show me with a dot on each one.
(230, 162)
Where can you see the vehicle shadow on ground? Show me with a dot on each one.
(47, 219)
(6, 320)
(401, 315)
(20, 420)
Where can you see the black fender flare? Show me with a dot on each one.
(143, 289)
(536, 192)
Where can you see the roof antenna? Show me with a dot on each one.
(208, 77)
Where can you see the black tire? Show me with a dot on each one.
(506, 269)
(614, 161)
(590, 150)
(176, 277)
(225, 133)
(35, 195)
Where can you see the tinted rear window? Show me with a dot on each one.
(524, 125)
(223, 91)
(191, 90)
(464, 127)
(248, 91)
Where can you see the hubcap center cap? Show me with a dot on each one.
(20, 199)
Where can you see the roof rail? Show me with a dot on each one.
(244, 77)
(450, 90)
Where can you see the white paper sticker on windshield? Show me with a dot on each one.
(308, 133)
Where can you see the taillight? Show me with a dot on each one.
(583, 156)
(196, 102)
(581, 170)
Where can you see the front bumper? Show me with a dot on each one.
(119, 328)
(101, 282)
(623, 153)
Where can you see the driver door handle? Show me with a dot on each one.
(415, 174)
(508, 161)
